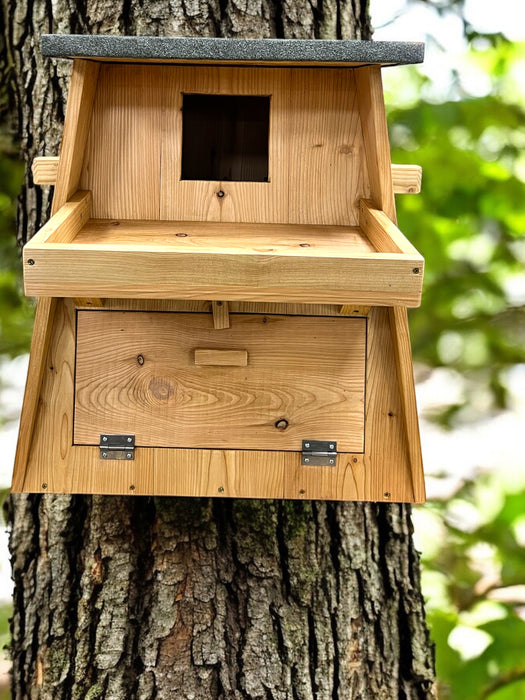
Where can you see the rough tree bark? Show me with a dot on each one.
(194, 598)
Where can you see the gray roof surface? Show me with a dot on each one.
(193, 49)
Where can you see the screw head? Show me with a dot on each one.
(129, 439)
(104, 439)
(132, 487)
(416, 270)
(104, 455)
(220, 194)
(129, 455)
(301, 491)
(44, 485)
(307, 444)
(30, 261)
(332, 461)
(306, 460)
(331, 447)
(386, 494)
(221, 489)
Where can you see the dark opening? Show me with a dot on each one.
(225, 137)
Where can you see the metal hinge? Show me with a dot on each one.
(117, 447)
(319, 453)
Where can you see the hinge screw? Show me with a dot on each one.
(104, 455)
(331, 447)
(129, 455)
(331, 461)
(104, 439)
(129, 439)
(307, 445)
(306, 460)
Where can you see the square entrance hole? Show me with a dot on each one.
(225, 137)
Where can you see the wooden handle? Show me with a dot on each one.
(221, 358)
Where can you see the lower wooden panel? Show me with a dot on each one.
(384, 472)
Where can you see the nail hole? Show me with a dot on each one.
(304, 245)
(181, 235)
(132, 487)
(301, 491)
(387, 494)
(416, 270)
(30, 261)
(354, 459)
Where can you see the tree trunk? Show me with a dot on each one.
(119, 597)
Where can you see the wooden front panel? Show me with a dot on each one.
(136, 373)
(316, 162)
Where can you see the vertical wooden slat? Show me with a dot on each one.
(375, 137)
(403, 355)
(221, 314)
(45, 313)
(82, 89)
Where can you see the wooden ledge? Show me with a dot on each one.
(406, 178)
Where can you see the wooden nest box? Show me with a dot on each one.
(222, 285)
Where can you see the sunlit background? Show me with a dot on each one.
(461, 115)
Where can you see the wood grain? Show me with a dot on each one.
(63, 226)
(376, 143)
(318, 387)
(222, 473)
(44, 317)
(405, 377)
(384, 234)
(388, 475)
(307, 264)
(206, 357)
(354, 310)
(83, 85)
(54, 464)
(200, 200)
(221, 314)
(406, 179)
(385, 468)
(122, 165)
(44, 170)
(325, 163)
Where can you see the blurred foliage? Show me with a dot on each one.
(16, 312)
(473, 579)
(469, 223)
